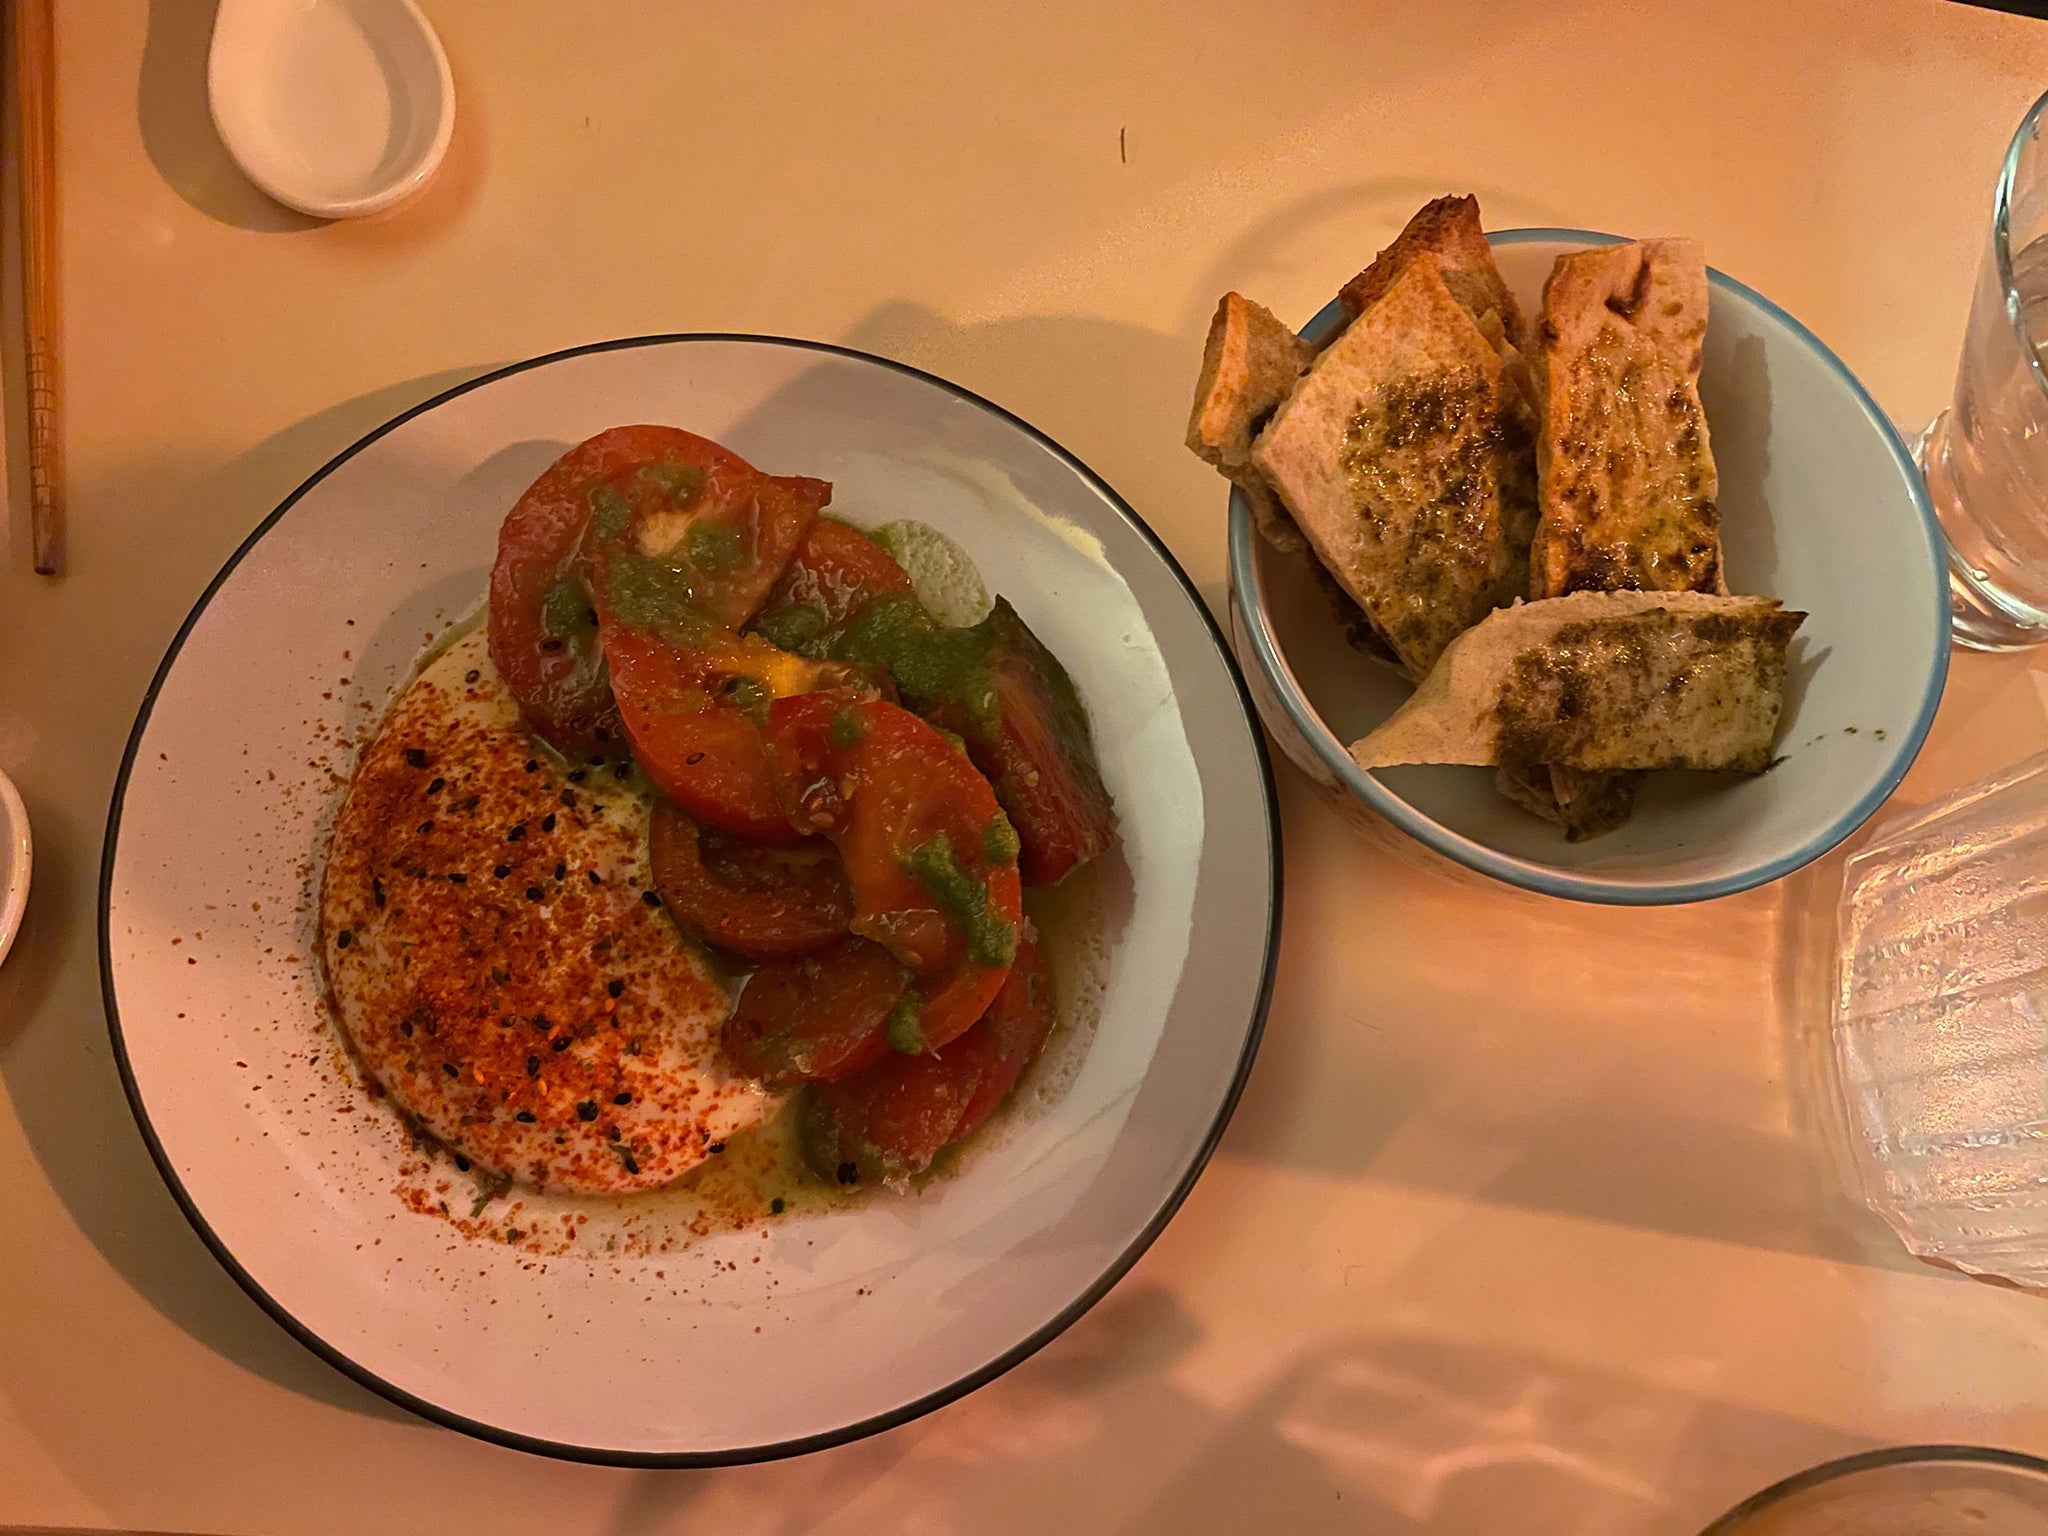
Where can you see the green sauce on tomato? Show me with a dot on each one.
(934, 665)
(991, 940)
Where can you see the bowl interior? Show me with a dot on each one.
(819, 1326)
(1820, 507)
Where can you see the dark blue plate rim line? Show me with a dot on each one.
(1542, 878)
(874, 1424)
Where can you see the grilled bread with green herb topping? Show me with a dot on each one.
(1602, 681)
(1404, 456)
(1249, 363)
(1448, 230)
(1625, 472)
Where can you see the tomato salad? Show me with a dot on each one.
(854, 795)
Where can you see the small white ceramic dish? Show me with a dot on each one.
(1820, 506)
(16, 861)
(820, 1326)
(338, 108)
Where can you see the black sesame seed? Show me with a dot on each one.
(534, 893)
(416, 757)
(540, 1022)
(461, 1163)
(502, 871)
(615, 987)
(569, 798)
(457, 877)
(627, 1159)
(426, 826)
(775, 1206)
(602, 734)
(652, 898)
(597, 762)
(561, 870)
(622, 770)
(451, 1069)
(560, 1043)
(586, 1110)
(343, 939)
(590, 615)
(437, 786)
(577, 775)
(524, 1117)
(500, 975)
(533, 765)
(533, 1066)
(694, 759)
(472, 675)
(715, 1147)
(596, 878)
(612, 1132)
(469, 802)
(622, 1098)
(547, 822)
(849, 1173)
(551, 645)
(377, 890)
(405, 1028)
(513, 834)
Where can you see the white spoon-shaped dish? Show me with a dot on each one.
(14, 863)
(338, 108)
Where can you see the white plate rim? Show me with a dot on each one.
(1543, 879)
(874, 1423)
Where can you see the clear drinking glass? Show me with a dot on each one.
(1941, 1025)
(1986, 457)
(1910, 1490)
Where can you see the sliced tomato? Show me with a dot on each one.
(691, 712)
(1010, 1035)
(703, 540)
(1030, 735)
(542, 641)
(890, 1120)
(929, 854)
(819, 1017)
(837, 571)
(762, 902)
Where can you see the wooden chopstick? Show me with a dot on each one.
(35, 85)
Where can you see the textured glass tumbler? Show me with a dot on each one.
(1986, 457)
(1941, 1025)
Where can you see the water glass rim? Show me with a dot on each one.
(2001, 237)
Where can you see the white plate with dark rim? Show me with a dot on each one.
(851, 1320)
(1821, 506)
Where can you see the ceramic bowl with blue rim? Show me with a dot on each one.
(1821, 507)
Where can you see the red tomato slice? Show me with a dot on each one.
(928, 852)
(690, 712)
(891, 1120)
(1037, 749)
(761, 902)
(701, 540)
(837, 571)
(541, 642)
(1010, 1035)
(816, 1018)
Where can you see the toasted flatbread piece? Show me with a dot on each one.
(1249, 363)
(1584, 804)
(1447, 229)
(1404, 456)
(1602, 681)
(1627, 476)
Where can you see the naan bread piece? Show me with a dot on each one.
(1404, 456)
(1602, 681)
(1626, 474)
(1447, 229)
(1249, 363)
